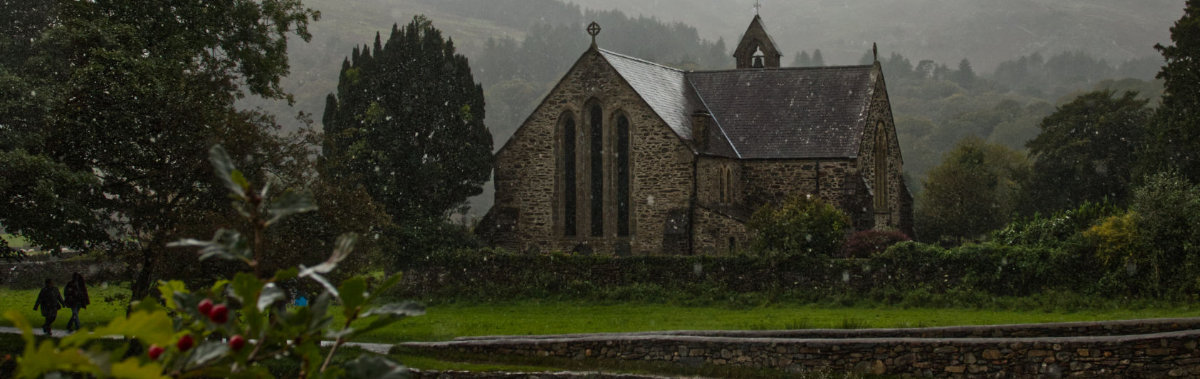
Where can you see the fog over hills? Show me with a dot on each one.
(985, 31)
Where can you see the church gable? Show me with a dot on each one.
(757, 49)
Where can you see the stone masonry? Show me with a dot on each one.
(1151, 348)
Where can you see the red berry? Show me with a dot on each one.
(155, 351)
(205, 306)
(237, 342)
(185, 342)
(219, 314)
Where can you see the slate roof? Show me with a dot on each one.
(785, 113)
(817, 112)
(665, 89)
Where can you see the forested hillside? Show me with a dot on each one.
(1025, 56)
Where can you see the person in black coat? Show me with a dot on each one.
(50, 300)
(75, 297)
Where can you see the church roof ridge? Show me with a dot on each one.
(630, 57)
(867, 66)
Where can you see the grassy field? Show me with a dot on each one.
(15, 241)
(453, 320)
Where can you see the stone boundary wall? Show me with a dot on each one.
(1172, 353)
(32, 274)
(1059, 329)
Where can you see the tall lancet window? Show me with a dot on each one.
(622, 176)
(597, 169)
(568, 170)
(881, 168)
(759, 58)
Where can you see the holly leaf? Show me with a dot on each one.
(290, 203)
(225, 170)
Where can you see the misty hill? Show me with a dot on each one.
(985, 31)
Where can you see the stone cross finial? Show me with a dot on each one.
(593, 29)
(757, 7)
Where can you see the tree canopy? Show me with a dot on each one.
(974, 190)
(110, 106)
(1087, 151)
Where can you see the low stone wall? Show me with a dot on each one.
(1172, 353)
(1058, 329)
(33, 274)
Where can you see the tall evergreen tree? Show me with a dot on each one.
(1176, 132)
(817, 59)
(801, 60)
(407, 124)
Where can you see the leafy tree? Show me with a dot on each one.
(117, 100)
(1087, 150)
(230, 328)
(407, 123)
(801, 225)
(973, 191)
(1176, 132)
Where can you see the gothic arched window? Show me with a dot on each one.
(881, 168)
(596, 126)
(568, 170)
(622, 175)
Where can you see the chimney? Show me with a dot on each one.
(700, 126)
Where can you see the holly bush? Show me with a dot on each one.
(228, 328)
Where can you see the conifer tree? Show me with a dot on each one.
(817, 59)
(1176, 132)
(407, 124)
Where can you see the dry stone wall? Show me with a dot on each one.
(1161, 354)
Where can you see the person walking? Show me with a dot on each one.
(50, 300)
(75, 296)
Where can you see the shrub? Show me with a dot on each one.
(867, 243)
(803, 224)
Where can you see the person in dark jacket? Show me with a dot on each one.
(75, 296)
(50, 300)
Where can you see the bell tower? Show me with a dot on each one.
(756, 49)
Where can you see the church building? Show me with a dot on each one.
(632, 157)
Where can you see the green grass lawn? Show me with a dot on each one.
(447, 321)
(96, 314)
(15, 241)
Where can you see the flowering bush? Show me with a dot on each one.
(227, 329)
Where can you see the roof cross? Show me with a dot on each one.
(757, 6)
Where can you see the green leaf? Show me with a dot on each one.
(290, 203)
(169, 289)
(207, 352)
(353, 291)
(373, 366)
(225, 244)
(223, 167)
(388, 283)
(149, 327)
(342, 248)
(134, 369)
(246, 287)
(286, 274)
(407, 308)
(23, 325)
(270, 294)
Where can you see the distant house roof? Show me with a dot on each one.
(787, 113)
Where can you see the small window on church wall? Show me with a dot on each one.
(597, 166)
(758, 58)
(881, 168)
(622, 176)
(568, 170)
(721, 184)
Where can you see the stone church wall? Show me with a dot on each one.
(528, 188)
(899, 199)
